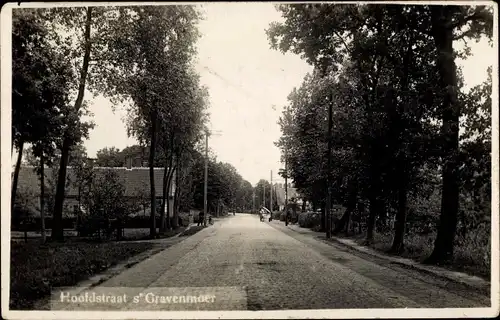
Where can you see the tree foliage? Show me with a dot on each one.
(386, 71)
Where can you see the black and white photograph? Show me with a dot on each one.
(238, 160)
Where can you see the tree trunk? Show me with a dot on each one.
(441, 17)
(78, 217)
(15, 179)
(42, 199)
(57, 227)
(323, 217)
(175, 220)
(344, 220)
(152, 151)
(79, 195)
(463, 219)
(374, 211)
(374, 200)
(403, 173)
(397, 243)
(163, 203)
(168, 191)
(165, 222)
(57, 232)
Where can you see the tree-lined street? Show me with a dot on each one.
(378, 150)
(251, 265)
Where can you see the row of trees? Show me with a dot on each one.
(225, 186)
(142, 56)
(104, 192)
(400, 126)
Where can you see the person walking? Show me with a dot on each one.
(287, 216)
(201, 218)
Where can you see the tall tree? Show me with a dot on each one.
(449, 23)
(34, 96)
(380, 62)
(70, 135)
(154, 46)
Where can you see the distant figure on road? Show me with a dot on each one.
(288, 214)
(263, 211)
(201, 218)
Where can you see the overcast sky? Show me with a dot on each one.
(245, 79)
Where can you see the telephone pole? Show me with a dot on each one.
(264, 193)
(328, 174)
(286, 181)
(206, 181)
(271, 198)
(205, 191)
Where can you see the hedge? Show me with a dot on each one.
(34, 223)
(277, 215)
(309, 219)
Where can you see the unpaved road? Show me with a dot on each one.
(245, 264)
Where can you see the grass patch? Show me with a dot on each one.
(36, 268)
(146, 236)
(191, 231)
(471, 255)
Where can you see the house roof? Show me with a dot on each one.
(133, 179)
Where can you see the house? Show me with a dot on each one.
(280, 194)
(135, 180)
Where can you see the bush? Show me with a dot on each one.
(309, 219)
(316, 228)
(185, 219)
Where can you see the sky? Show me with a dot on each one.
(248, 83)
(245, 79)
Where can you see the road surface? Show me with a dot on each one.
(240, 263)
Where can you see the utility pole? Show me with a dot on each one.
(329, 168)
(264, 193)
(271, 198)
(286, 181)
(205, 200)
(206, 181)
(253, 201)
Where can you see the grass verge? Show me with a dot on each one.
(470, 256)
(191, 231)
(36, 268)
(146, 236)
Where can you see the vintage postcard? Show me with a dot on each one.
(234, 160)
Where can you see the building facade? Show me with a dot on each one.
(135, 180)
